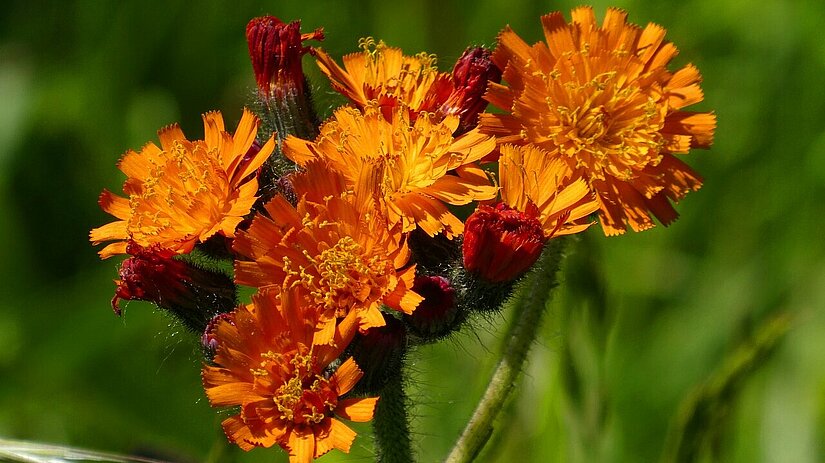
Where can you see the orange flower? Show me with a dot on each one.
(334, 245)
(534, 182)
(383, 77)
(267, 364)
(602, 100)
(185, 191)
(423, 165)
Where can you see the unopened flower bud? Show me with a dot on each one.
(193, 295)
(276, 48)
(501, 243)
(437, 315)
(284, 100)
(379, 353)
(473, 70)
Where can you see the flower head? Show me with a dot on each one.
(267, 364)
(601, 99)
(276, 49)
(334, 245)
(422, 166)
(183, 192)
(382, 76)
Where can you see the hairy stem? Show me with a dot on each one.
(391, 427)
(529, 304)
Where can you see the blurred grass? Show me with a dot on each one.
(82, 81)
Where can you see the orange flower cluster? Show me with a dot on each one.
(592, 122)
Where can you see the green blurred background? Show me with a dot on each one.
(644, 322)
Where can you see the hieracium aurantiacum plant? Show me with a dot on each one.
(349, 230)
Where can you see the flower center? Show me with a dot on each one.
(344, 275)
(580, 128)
(304, 397)
(606, 125)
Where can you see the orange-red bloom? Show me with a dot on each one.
(601, 99)
(335, 245)
(185, 191)
(382, 76)
(267, 364)
(422, 165)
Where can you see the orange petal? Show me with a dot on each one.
(346, 376)
(370, 318)
(557, 34)
(213, 129)
(358, 410)
(341, 435)
(244, 136)
(301, 447)
(115, 205)
(510, 46)
(110, 231)
(324, 332)
(169, 135)
(113, 250)
(505, 127)
(230, 394)
(238, 432)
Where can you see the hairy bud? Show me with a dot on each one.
(501, 243)
(193, 295)
(471, 74)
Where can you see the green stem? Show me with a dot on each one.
(391, 427)
(529, 304)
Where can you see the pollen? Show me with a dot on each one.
(341, 275)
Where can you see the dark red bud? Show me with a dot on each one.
(437, 313)
(471, 74)
(192, 294)
(149, 275)
(501, 243)
(276, 49)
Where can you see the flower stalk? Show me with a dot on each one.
(529, 305)
(391, 425)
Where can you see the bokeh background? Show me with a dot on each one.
(668, 333)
